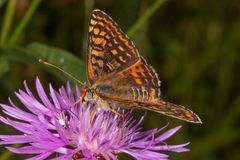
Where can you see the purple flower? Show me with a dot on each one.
(53, 125)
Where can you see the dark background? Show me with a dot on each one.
(193, 45)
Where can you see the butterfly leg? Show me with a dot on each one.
(77, 101)
(82, 98)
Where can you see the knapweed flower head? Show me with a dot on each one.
(53, 128)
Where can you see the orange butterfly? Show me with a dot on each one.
(119, 76)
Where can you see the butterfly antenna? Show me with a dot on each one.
(60, 69)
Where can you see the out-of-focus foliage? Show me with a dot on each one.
(193, 45)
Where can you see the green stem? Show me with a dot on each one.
(21, 26)
(153, 8)
(8, 20)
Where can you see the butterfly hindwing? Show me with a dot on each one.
(137, 82)
(172, 110)
(139, 87)
(159, 106)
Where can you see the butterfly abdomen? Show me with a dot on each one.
(109, 91)
(123, 93)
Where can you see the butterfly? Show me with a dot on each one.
(119, 76)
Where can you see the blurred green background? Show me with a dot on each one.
(193, 45)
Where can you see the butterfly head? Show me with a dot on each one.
(88, 94)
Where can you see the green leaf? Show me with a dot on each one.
(7, 21)
(24, 21)
(35, 51)
(61, 58)
(142, 20)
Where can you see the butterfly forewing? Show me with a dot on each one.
(109, 50)
(120, 76)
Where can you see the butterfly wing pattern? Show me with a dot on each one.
(119, 75)
(109, 50)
